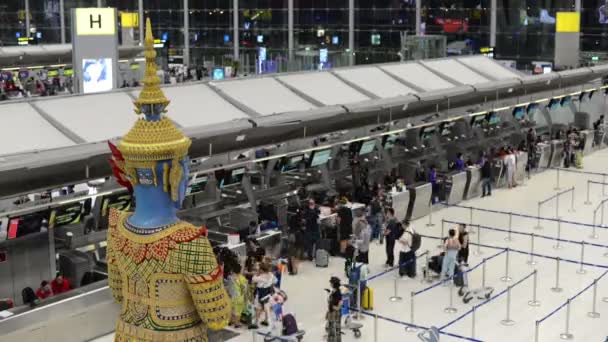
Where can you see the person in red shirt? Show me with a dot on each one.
(44, 291)
(60, 285)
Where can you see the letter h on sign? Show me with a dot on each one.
(93, 21)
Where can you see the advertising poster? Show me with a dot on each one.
(97, 75)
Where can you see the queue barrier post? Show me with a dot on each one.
(536, 331)
(556, 288)
(538, 226)
(566, 335)
(593, 313)
(509, 237)
(531, 261)
(604, 185)
(588, 201)
(358, 299)
(557, 207)
(473, 318)
(395, 297)
(442, 233)
(430, 224)
(412, 327)
(451, 309)
(508, 321)
(605, 299)
(582, 270)
(478, 251)
(253, 335)
(483, 273)
(506, 277)
(534, 301)
(594, 233)
(375, 327)
(559, 235)
(572, 210)
(472, 231)
(557, 180)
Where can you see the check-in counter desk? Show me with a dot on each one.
(455, 186)
(401, 203)
(544, 156)
(473, 186)
(83, 314)
(499, 170)
(587, 139)
(420, 199)
(557, 153)
(520, 167)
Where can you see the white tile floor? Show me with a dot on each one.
(307, 298)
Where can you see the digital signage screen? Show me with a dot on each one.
(320, 157)
(445, 128)
(67, 214)
(291, 163)
(389, 141)
(197, 184)
(97, 75)
(23, 225)
(519, 113)
(427, 132)
(478, 121)
(367, 147)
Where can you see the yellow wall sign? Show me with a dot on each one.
(568, 22)
(95, 21)
(129, 19)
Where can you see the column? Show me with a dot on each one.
(290, 37)
(235, 29)
(351, 31)
(62, 20)
(99, 3)
(27, 18)
(493, 23)
(186, 52)
(140, 15)
(418, 17)
(577, 6)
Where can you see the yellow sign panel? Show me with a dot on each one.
(129, 19)
(568, 22)
(95, 21)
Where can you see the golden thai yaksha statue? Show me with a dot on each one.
(161, 270)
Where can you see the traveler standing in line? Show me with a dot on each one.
(451, 246)
(363, 244)
(345, 224)
(486, 176)
(311, 222)
(333, 316)
(407, 256)
(510, 163)
(375, 217)
(434, 186)
(391, 233)
(463, 238)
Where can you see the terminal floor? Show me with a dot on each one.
(307, 297)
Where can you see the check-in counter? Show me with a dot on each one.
(420, 200)
(557, 153)
(587, 139)
(544, 155)
(473, 186)
(520, 167)
(401, 202)
(499, 170)
(458, 181)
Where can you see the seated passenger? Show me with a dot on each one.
(459, 163)
(44, 291)
(60, 285)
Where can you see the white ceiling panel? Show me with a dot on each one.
(264, 95)
(455, 71)
(23, 129)
(93, 117)
(197, 105)
(324, 87)
(375, 81)
(418, 76)
(489, 67)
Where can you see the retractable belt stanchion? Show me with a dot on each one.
(538, 226)
(506, 277)
(557, 181)
(559, 235)
(411, 328)
(478, 251)
(451, 309)
(534, 301)
(358, 298)
(556, 288)
(594, 233)
(375, 327)
(253, 335)
(395, 297)
(483, 273)
(581, 270)
(604, 185)
(593, 313)
(557, 207)
(531, 259)
(508, 321)
(471, 231)
(566, 335)
(440, 245)
(473, 321)
(509, 238)
(572, 210)
(588, 201)
(536, 331)
(430, 224)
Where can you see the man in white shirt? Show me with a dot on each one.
(407, 257)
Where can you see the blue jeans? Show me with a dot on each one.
(375, 222)
(449, 263)
(486, 186)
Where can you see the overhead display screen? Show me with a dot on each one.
(26, 224)
(367, 147)
(445, 128)
(97, 75)
(291, 163)
(65, 215)
(519, 113)
(389, 141)
(493, 118)
(197, 184)
(234, 176)
(427, 132)
(478, 121)
(319, 157)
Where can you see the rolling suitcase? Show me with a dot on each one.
(322, 258)
(367, 300)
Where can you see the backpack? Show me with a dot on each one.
(354, 274)
(416, 241)
(29, 296)
(290, 326)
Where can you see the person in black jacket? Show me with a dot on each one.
(311, 224)
(391, 233)
(486, 176)
(345, 224)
